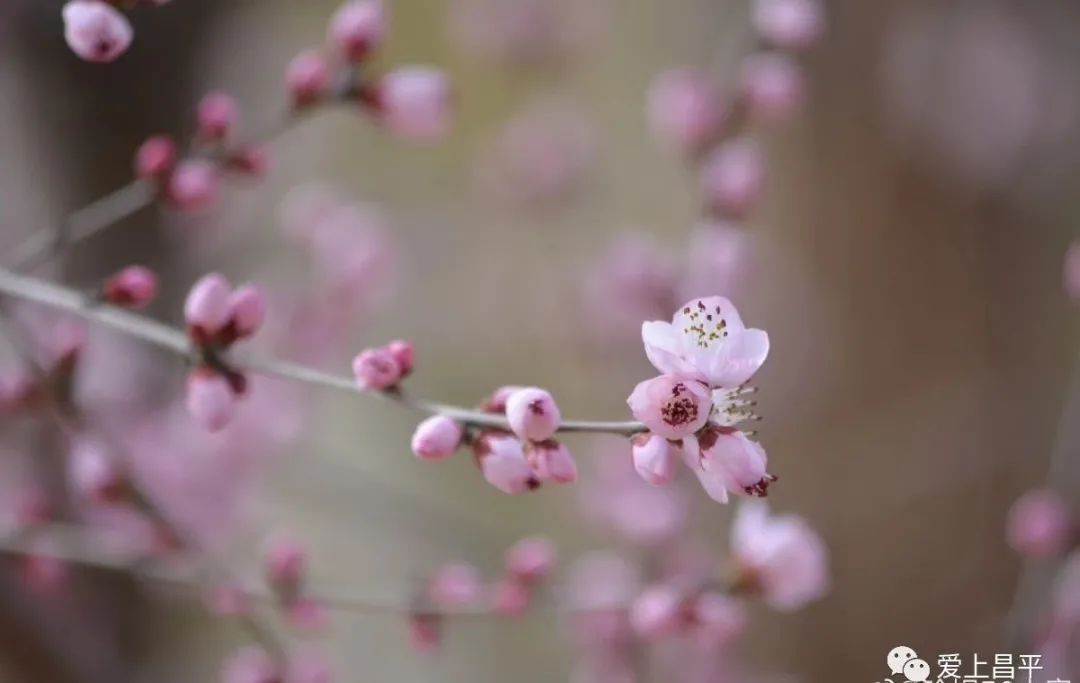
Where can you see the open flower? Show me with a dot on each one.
(671, 405)
(781, 556)
(706, 340)
(726, 461)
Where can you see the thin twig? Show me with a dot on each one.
(55, 296)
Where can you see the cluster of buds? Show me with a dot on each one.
(1040, 525)
(410, 101)
(285, 563)
(513, 461)
(458, 586)
(686, 108)
(706, 356)
(192, 183)
(218, 316)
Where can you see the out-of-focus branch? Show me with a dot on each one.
(174, 340)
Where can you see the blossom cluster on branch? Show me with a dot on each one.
(166, 484)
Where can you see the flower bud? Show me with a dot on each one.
(155, 158)
(684, 108)
(210, 399)
(206, 309)
(531, 559)
(357, 28)
(376, 369)
(532, 414)
(132, 287)
(414, 102)
(436, 438)
(194, 185)
(247, 310)
(733, 177)
(502, 462)
(95, 30)
(307, 78)
(655, 459)
(671, 406)
(216, 116)
(1039, 524)
(789, 24)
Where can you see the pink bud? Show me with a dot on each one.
(455, 585)
(414, 102)
(671, 406)
(733, 177)
(92, 472)
(156, 157)
(436, 438)
(216, 116)
(95, 30)
(502, 462)
(250, 160)
(717, 618)
(132, 287)
(207, 309)
(772, 85)
(551, 461)
(210, 399)
(247, 310)
(655, 459)
(285, 561)
(727, 461)
(532, 414)
(358, 27)
(425, 632)
(531, 559)
(510, 598)
(376, 369)
(789, 24)
(250, 665)
(307, 77)
(655, 613)
(1039, 524)
(194, 185)
(684, 108)
(403, 353)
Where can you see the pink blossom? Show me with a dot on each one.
(1039, 524)
(376, 369)
(655, 459)
(357, 28)
(455, 585)
(414, 102)
(785, 559)
(551, 461)
(436, 438)
(247, 310)
(772, 85)
(210, 399)
(156, 157)
(250, 665)
(532, 414)
(685, 109)
(673, 406)
(789, 24)
(132, 287)
(656, 612)
(531, 559)
(733, 177)
(717, 619)
(216, 116)
(502, 462)
(95, 30)
(193, 185)
(307, 77)
(510, 597)
(726, 461)
(706, 340)
(207, 308)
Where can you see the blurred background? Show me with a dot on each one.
(907, 263)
